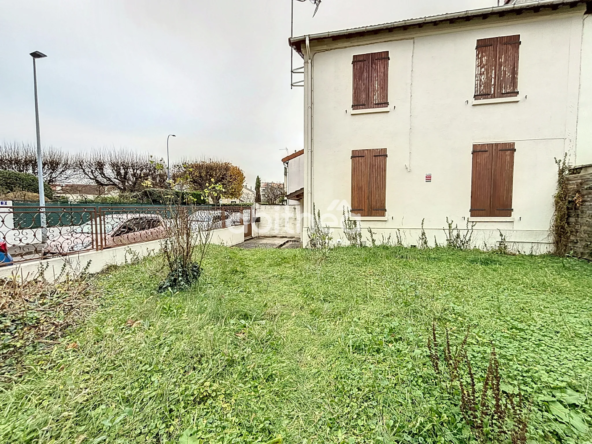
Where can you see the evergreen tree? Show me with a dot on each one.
(258, 190)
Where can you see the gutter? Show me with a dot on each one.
(296, 42)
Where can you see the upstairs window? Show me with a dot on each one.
(497, 67)
(493, 180)
(369, 183)
(370, 80)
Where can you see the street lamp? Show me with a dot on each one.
(39, 55)
(168, 160)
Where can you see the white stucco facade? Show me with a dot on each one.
(432, 123)
(295, 175)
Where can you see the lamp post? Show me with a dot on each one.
(168, 160)
(39, 55)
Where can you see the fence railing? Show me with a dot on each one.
(42, 232)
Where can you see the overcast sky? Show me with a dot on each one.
(126, 73)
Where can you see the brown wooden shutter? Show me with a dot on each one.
(360, 183)
(379, 79)
(482, 180)
(486, 66)
(378, 182)
(508, 61)
(503, 179)
(361, 79)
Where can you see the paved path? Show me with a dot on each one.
(270, 242)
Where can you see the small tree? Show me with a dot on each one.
(201, 175)
(274, 193)
(258, 190)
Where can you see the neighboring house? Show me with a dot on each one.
(248, 196)
(294, 177)
(456, 116)
(77, 192)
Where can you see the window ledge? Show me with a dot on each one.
(370, 111)
(372, 218)
(496, 101)
(491, 219)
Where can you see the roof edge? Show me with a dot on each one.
(295, 42)
(293, 156)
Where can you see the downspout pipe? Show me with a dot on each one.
(309, 136)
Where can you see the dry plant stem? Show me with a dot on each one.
(506, 419)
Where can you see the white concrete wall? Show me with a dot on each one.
(278, 221)
(112, 256)
(432, 124)
(584, 155)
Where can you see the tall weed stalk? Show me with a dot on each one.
(493, 415)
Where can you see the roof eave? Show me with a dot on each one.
(296, 42)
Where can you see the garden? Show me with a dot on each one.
(353, 345)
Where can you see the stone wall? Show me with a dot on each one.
(580, 211)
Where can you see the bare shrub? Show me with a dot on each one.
(457, 238)
(184, 247)
(352, 229)
(319, 237)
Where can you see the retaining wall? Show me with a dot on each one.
(111, 256)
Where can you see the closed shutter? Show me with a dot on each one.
(361, 80)
(482, 180)
(378, 182)
(508, 61)
(503, 179)
(379, 79)
(360, 183)
(486, 67)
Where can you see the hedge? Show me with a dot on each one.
(12, 181)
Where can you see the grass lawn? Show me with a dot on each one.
(285, 343)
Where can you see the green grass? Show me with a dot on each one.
(284, 343)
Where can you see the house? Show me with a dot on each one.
(294, 177)
(76, 192)
(247, 196)
(457, 116)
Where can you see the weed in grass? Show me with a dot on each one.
(422, 242)
(351, 229)
(373, 241)
(319, 237)
(459, 239)
(493, 415)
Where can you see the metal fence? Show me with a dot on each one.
(74, 229)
